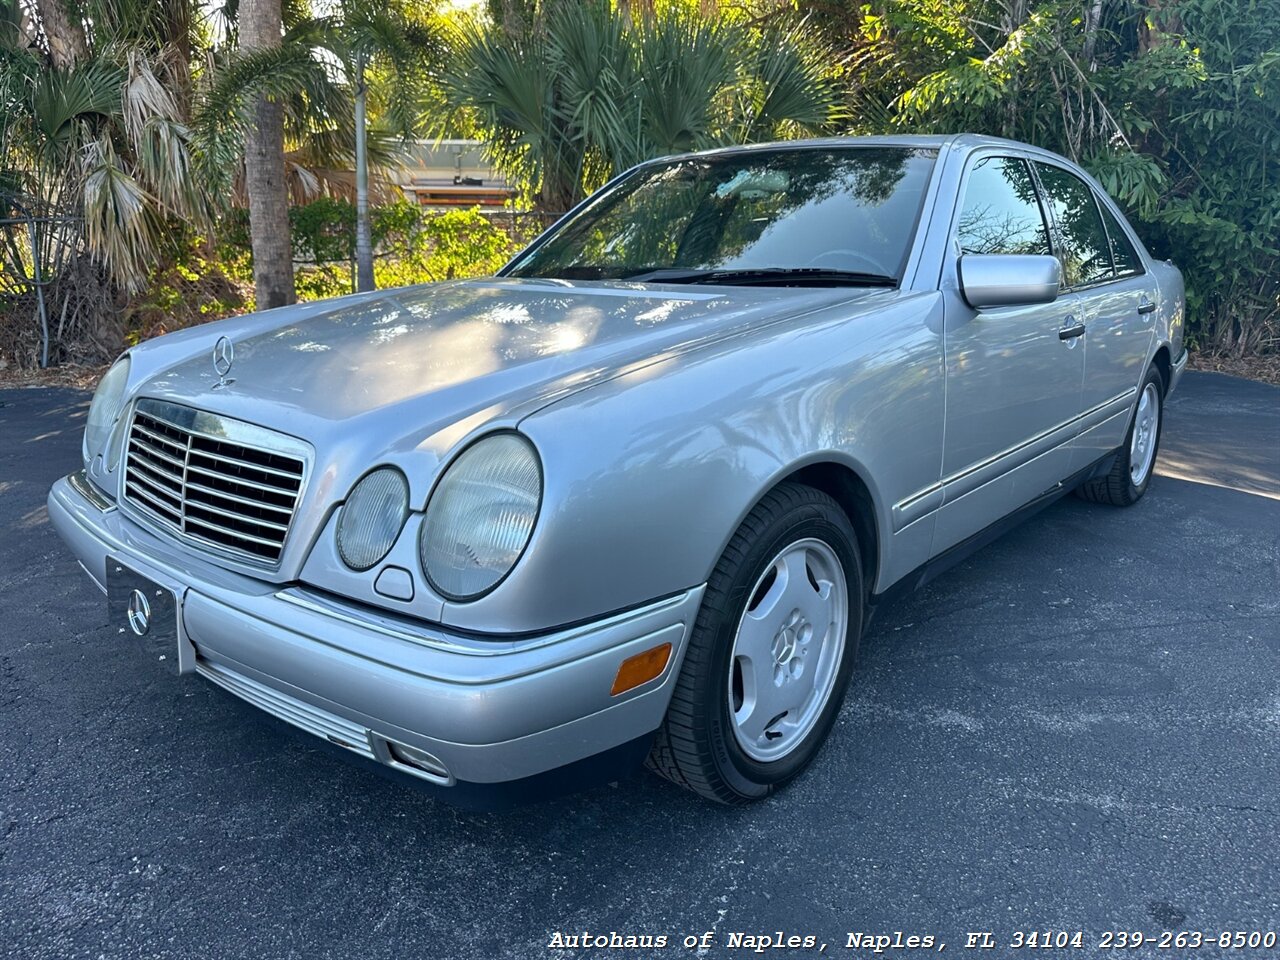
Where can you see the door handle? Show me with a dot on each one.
(1070, 333)
(1146, 305)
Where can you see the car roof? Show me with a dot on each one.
(935, 141)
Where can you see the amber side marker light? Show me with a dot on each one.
(641, 668)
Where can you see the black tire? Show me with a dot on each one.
(696, 746)
(1117, 487)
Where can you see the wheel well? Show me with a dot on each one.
(846, 488)
(1162, 363)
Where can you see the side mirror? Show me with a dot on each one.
(1008, 279)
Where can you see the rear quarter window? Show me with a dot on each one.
(1123, 255)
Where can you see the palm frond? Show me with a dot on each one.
(574, 92)
(17, 36)
(223, 108)
(66, 102)
(787, 86)
(119, 218)
(406, 51)
(686, 64)
(590, 56)
(165, 164)
(144, 97)
(506, 82)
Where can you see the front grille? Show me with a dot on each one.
(209, 486)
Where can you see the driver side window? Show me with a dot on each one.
(1000, 212)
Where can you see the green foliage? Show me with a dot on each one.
(445, 246)
(1175, 107)
(566, 94)
(95, 149)
(1216, 130)
(195, 285)
(323, 230)
(414, 245)
(223, 108)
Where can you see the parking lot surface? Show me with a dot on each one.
(1076, 729)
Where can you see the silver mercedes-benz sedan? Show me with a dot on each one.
(638, 495)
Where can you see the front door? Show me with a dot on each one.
(1012, 383)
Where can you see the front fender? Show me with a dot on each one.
(648, 475)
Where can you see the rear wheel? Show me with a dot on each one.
(770, 653)
(1130, 475)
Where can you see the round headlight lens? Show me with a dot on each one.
(371, 518)
(108, 401)
(481, 516)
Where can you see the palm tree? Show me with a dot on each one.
(566, 94)
(384, 37)
(325, 75)
(261, 28)
(101, 140)
(93, 138)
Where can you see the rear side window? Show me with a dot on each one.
(1125, 258)
(1000, 212)
(1086, 251)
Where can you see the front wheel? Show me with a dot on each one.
(1130, 475)
(770, 653)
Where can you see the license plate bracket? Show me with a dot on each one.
(144, 615)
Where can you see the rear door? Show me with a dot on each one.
(1012, 384)
(1117, 302)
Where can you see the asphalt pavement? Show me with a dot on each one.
(1075, 730)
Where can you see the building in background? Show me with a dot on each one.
(452, 173)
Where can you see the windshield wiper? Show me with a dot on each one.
(778, 276)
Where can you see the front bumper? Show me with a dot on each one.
(488, 710)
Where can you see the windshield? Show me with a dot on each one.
(836, 214)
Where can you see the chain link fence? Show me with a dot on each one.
(411, 244)
(521, 226)
(40, 253)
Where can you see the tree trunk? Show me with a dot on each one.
(514, 16)
(561, 176)
(261, 29)
(364, 231)
(1092, 24)
(1157, 19)
(556, 197)
(67, 44)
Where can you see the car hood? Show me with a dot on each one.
(445, 352)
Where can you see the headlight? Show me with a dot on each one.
(372, 517)
(481, 516)
(107, 403)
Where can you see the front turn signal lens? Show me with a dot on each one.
(641, 668)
